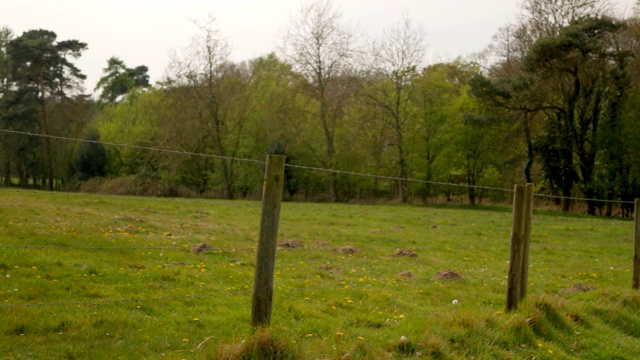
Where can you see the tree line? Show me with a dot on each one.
(554, 100)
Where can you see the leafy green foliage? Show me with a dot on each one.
(91, 157)
(119, 80)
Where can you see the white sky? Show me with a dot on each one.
(144, 32)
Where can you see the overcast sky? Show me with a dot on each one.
(144, 32)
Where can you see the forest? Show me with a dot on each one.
(553, 100)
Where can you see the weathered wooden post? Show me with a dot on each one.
(636, 245)
(526, 240)
(515, 259)
(265, 262)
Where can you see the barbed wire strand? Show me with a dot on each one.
(583, 199)
(302, 166)
(140, 147)
(383, 177)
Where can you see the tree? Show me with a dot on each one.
(40, 62)
(90, 159)
(6, 35)
(434, 98)
(579, 68)
(118, 80)
(321, 48)
(396, 61)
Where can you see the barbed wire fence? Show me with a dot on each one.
(304, 167)
(100, 302)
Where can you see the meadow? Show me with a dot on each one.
(103, 277)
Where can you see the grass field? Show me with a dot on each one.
(90, 277)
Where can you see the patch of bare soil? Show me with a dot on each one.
(576, 288)
(407, 274)
(175, 264)
(321, 244)
(448, 275)
(348, 250)
(330, 269)
(200, 248)
(290, 244)
(405, 252)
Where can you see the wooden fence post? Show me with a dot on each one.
(526, 240)
(636, 245)
(515, 259)
(265, 262)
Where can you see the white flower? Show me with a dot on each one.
(454, 302)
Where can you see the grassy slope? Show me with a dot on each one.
(359, 309)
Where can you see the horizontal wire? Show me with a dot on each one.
(114, 301)
(180, 152)
(304, 167)
(583, 199)
(395, 178)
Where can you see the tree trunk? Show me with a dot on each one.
(7, 173)
(47, 140)
(566, 193)
(527, 135)
(402, 162)
(22, 174)
(472, 196)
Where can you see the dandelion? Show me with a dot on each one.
(401, 316)
(186, 340)
(195, 319)
(360, 338)
(309, 335)
(339, 333)
(550, 351)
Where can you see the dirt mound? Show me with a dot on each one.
(330, 269)
(405, 252)
(321, 244)
(290, 244)
(448, 275)
(407, 274)
(576, 288)
(200, 248)
(349, 250)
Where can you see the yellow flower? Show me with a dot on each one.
(185, 340)
(309, 335)
(195, 319)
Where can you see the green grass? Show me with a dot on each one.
(113, 278)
